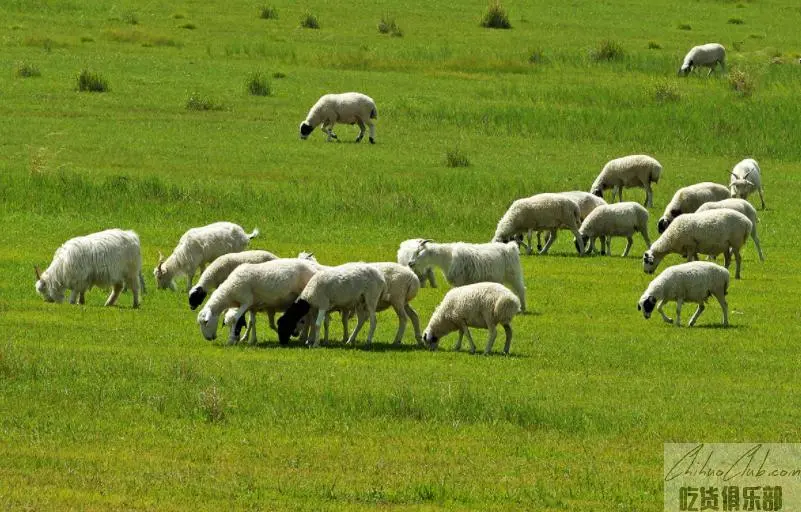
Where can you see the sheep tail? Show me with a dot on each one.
(374, 113)
(254, 234)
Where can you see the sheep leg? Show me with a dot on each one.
(418, 335)
(755, 238)
(762, 198)
(539, 243)
(493, 333)
(250, 334)
(608, 240)
(725, 306)
(507, 328)
(401, 312)
(361, 130)
(189, 277)
(82, 297)
(644, 233)
(738, 261)
(430, 275)
(372, 131)
(326, 325)
(726, 258)
(315, 332)
(470, 340)
(115, 293)
(458, 345)
(136, 289)
(142, 288)
(345, 319)
(520, 290)
(74, 296)
(362, 317)
(232, 339)
(629, 243)
(679, 302)
(661, 310)
(579, 241)
(649, 196)
(373, 323)
(697, 313)
(549, 243)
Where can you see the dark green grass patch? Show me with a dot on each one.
(496, 16)
(26, 70)
(309, 20)
(268, 12)
(89, 81)
(388, 25)
(608, 50)
(257, 84)
(201, 102)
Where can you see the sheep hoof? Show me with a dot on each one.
(372, 140)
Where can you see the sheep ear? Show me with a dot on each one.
(310, 254)
(746, 175)
(38, 272)
(639, 308)
(426, 241)
(161, 262)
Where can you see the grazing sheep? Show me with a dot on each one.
(481, 305)
(688, 199)
(110, 258)
(711, 232)
(198, 247)
(628, 171)
(619, 219)
(219, 270)
(707, 55)
(586, 202)
(742, 206)
(347, 108)
(273, 285)
(473, 263)
(745, 179)
(694, 282)
(350, 286)
(405, 253)
(540, 212)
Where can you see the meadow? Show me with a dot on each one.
(116, 408)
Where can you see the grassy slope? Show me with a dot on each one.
(110, 408)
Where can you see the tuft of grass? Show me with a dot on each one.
(279, 75)
(91, 82)
(188, 26)
(268, 12)
(212, 404)
(685, 26)
(198, 102)
(536, 56)
(756, 36)
(46, 43)
(608, 50)
(131, 18)
(737, 45)
(257, 85)
(178, 16)
(87, 39)
(741, 82)
(309, 20)
(27, 70)
(496, 16)
(653, 45)
(665, 92)
(735, 21)
(387, 25)
(139, 37)
(455, 158)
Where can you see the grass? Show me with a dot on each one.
(268, 12)
(685, 26)
(200, 102)
(257, 85)
(454, 157)
(496, 16)
(122, 409)
(27, 70)
(309, 20)
(741, 82)
(91, 82)
(387, 25)
(608, 50)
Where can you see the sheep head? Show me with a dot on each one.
(650, 262)
(646, 305)
(208, 323)
(305, 130)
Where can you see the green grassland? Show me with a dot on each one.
(115, 408)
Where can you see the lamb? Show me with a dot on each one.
(694, 282)
(744, 207)
(255, 287)
(586, 202)
(198, 247)
(707, 55)
(711, 232)
(688, 199)
(628, 171)
(110, 258)
(481, 305)
(405, 253)
(220, 269)
(473, 263)
(745, 179)
(348, 108)
(540, 212)
(619, 219)
(356, 286)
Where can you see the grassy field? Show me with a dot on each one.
(114, 408)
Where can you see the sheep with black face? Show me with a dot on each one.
(346, 108)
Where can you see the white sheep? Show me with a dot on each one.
(586, 202)
(541, 212)
(350, 286)
(198, 247)
(480, 305)
(219, 270)
(619, 219)
(688, 199)
(711, 232)
(347, 108)
(406, 252)
(473, 263)
(110, 258)
(273, 285)
(629, 171)
(707, 55)
(742, 206)
(746, 178)
(693, 282)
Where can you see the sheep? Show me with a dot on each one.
(707, 55)
(473, 263)
(694, 282)
(619, 219)
(711, 232)
(539, 212)
(255, 287)
(220, 269)
(628, 171)
(356, 286)
(110, 258)
(688, 199)
(586, 202)
(742, 206)
(405, 253)
(745, 179)
(348, 108)
(481, 305)
(198, 247)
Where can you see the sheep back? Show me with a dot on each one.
(474, 263)
(710, 232)
(469, 305)
(618, 219)
(345, 286)
(539, 213)
(627, 171)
